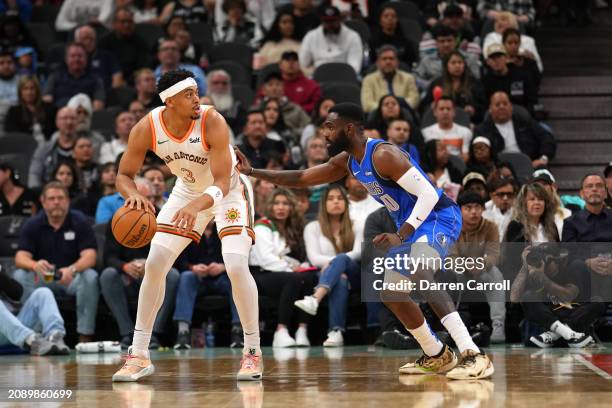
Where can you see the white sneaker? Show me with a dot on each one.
(545, 340)
(301, 337)
(498, 335)
(283, 339)
(334, 339)
(309, 304)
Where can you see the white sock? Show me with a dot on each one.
(140, 343)
(554, 335)
(427, 339)
(563, 330)
(183, 327)
(457, 330)
(30, 339)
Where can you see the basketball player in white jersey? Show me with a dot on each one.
(193, 141)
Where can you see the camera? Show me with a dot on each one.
(543, 253)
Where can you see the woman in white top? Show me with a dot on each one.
(333, 244)
(279, 254)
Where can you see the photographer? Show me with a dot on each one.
(554, 293)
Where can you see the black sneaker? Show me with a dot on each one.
(57, 338)
(154, 344)
(396, 340)
(126, 342)
(581, 341)
(237, 337)
(183, 341)
(41, 346)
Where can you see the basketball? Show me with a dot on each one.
(133, 228)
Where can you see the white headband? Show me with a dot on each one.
(176, 88)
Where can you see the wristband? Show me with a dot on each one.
(215, 193)
(400, 236)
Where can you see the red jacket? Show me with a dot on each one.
(303, 91)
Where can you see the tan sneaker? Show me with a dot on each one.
(134, 368)
(473, 366)
(251, 367)
(443, 362)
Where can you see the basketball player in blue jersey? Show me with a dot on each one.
(422, 214)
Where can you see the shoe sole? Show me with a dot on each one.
(304, 308)
(249, 377)
(135, 377)
(182, 347)
(330, 345)
(538, 343)
(583, 343)
(444, 369)
(488, 372)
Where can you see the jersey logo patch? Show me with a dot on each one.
(161, 141)
(232, 215)
(194, 140)
(441, 239)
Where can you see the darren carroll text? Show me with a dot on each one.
(407, 285)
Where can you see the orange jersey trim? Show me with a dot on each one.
(203, 126)
(153, 135)
(170, 135)
(171, 229)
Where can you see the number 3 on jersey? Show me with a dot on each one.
(389, 202)
(188, 175)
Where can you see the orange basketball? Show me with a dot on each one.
(133, 228)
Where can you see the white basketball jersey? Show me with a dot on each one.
(186, 155)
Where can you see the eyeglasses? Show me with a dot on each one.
(503, 195)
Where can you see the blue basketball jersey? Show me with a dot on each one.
(398, 201)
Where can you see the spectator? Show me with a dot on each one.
(282, 37)
(15, 199)
(453, 17)
(319, 113)
(316, 153)
(146, 88)
(30, 115)
(60, 240)
(262, 190)
(361, 204)
(608, 177)
(455, 137)
(544, 178)
(74, 77)
(333, 244)
(255, 145)
(170, 58)
(499, 208)
(238, 28)
(107, 206)
(533, 217)
(219, 89)
(105, 186)
(192, 11)
(481, 158)
(388, 79)
(14, 33)
(331, 42)
(441, 171)
(298, 89)
(191, 53)
(527, 47)
(130, 50)
(102, 62)
(501, 77)
(158, 183)
(124, 122)
(74, 13)
(84, 110)
(121, 279)
(279, 253)
(173, 26)
(522, 9)
(554, 293)
(27, 61)
(398, 133)
(519, 58)
(305, 17)
(430, 67)
(48, 155)
(261, 12)
(8, 84)
(476, 183)
(389, 109)
(275, 124)
(388, 31)
(510, 131)
(458, 83)
(68, 175)
(295, 117)
(146, 11)
(19, 324)
(137, 109)
(203, 274)
(83, 156)
(479, 238)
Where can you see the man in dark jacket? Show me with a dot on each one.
(514, 131)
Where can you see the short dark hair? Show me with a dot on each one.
(75, 44)
(228, 4)
(273, 75)
(441, 30)
(469, 197)
(500, 182)
(510, 31)
(445, 98)
(172, 77)
(255, 111)
(589, 175)
(149, 168)
(349, 112)
(55, 185)
(385, 48)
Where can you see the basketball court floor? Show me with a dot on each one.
(316, 377)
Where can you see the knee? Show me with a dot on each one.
(21, 275)
(108, 275)
(187, 278)
(42, 293)
(90, 277)
(173, 277)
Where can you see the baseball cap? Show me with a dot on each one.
(472, 176)
(330, 13)
(495, 49)
(543, 175)
(481, 139)
(288, 55)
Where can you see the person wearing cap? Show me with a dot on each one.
(544, 178)
(297, 88)
(455, 137)
(26, 60)
(388, 79)
(481, 158)
(332, 41)
(84, 109)
(510, 131)
(479, 239)
(474, 182)
(500, 76)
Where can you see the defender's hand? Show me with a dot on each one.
(243, 163)
(386, 241)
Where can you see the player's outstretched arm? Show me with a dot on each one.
(131, 162)
(333, 170)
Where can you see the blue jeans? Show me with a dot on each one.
(39, 313)
(84, 286)
(191, 285)
(117, 291)
(339, 288)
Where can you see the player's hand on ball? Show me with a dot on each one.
(185, 218)
(243, 163)
(139, 202)
(386, 241)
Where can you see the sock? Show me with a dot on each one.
(140, 343)
(457, 330)
(427, 339)
(563, 330)
(554, 335)
(183, 327)
(54, 333)
(30, 339)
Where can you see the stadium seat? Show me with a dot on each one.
(411, 30)
(362, 29)
(238, 73)
(521, 163)
(461, 118)
(121, 96)
(405, 9)
(335, 72)
(44, 35)
(343, 93)
(54, 55)
(100, 232)
(10, 226)
(265, 71)
(46, 13)
(201, 34)
(104, 120)
(244, 94)
(457, 162)
(20, 162)
(242, 54)
(16, 142)
(151, 33)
